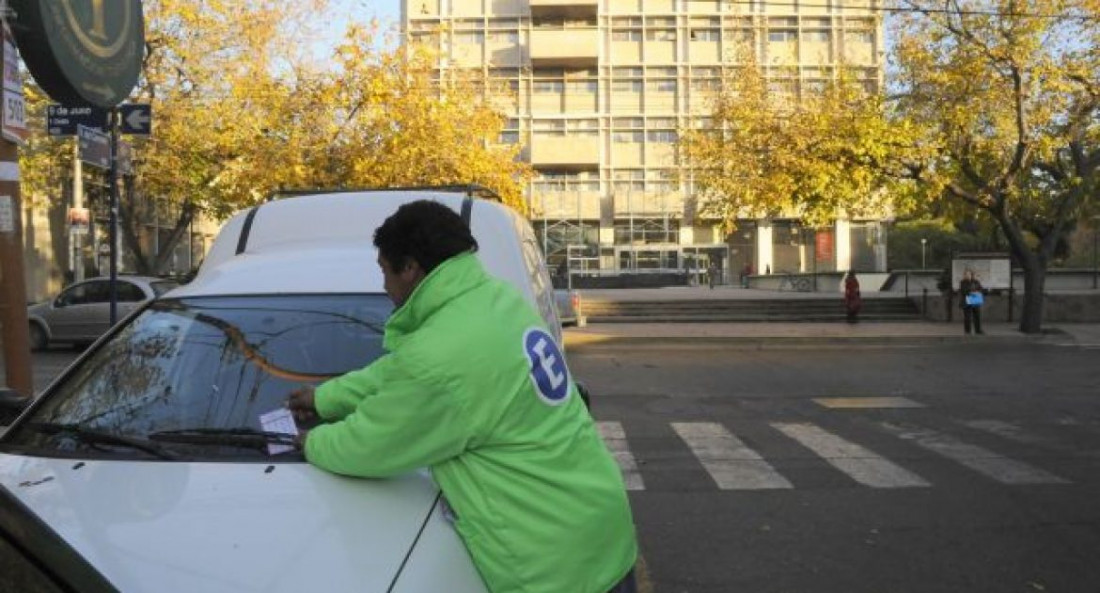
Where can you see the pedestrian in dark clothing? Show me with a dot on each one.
(971, 297)
(712, 274)
(852, 300)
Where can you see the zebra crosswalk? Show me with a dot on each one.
(731, 464)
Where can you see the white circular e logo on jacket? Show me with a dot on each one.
(548, 371)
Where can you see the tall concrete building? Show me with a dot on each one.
(596, 91)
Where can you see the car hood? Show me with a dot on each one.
(222, 527)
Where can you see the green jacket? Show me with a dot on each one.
(473, 386)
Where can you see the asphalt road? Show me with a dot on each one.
(988, 482)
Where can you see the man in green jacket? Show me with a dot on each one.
(474, 387)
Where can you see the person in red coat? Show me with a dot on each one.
(852, 300)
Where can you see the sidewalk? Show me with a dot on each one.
(884, 333)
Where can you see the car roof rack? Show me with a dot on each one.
(472, 190)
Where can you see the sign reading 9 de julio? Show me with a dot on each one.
(82, 52)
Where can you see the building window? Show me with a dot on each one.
(661, 35)
(629, 180)
(563, 181)
(662, 136)
(817, 36)
(632, 137)
(646, 231)
(504, 37)
(705, 84)
(705, 35)
(782, 36)
(548, 127)
(627, 86)
(470, 38)
(861, 37)
(547, 86)
(628, 35)
(661, 86)
(661, 181)
(582, 127)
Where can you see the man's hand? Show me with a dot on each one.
(301, 404)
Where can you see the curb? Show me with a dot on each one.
(580, 341)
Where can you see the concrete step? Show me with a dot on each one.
(807, 318)
(883, 309)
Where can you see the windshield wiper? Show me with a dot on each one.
(242, 436)
(99, 437)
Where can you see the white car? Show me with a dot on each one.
(143, 467)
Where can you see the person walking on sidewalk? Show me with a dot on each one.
(852, 299)
(971, 297)
(712, 274)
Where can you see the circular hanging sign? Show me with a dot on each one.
(81, 52)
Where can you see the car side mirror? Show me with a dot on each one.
(12, 404)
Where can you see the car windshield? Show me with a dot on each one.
(212, 364)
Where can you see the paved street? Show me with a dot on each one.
(934, 464)
(947, 467)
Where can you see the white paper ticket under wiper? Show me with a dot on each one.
(280, 421)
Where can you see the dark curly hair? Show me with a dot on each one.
(425, 231)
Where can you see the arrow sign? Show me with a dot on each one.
(137, 118)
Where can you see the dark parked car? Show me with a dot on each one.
(82, 312)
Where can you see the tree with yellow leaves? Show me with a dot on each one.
(242, 110)
(992, 109)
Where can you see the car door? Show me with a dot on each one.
(130, 297)
(68, 312)
(91, 316)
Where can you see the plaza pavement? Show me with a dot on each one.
(806, 333)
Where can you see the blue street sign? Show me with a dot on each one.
(62, 121)
(135, 118)
(95, 147)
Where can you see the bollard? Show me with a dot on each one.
(924, 304)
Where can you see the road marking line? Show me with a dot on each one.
(1006, 430)
(615, 438)
(866, 402)
(731, 464)
(983, 461)
(860, 464)
(1013, 432)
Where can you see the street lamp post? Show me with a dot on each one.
(923, 243)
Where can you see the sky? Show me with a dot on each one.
(343, 12)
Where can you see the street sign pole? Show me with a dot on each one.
(78, 202)
(113, 182)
